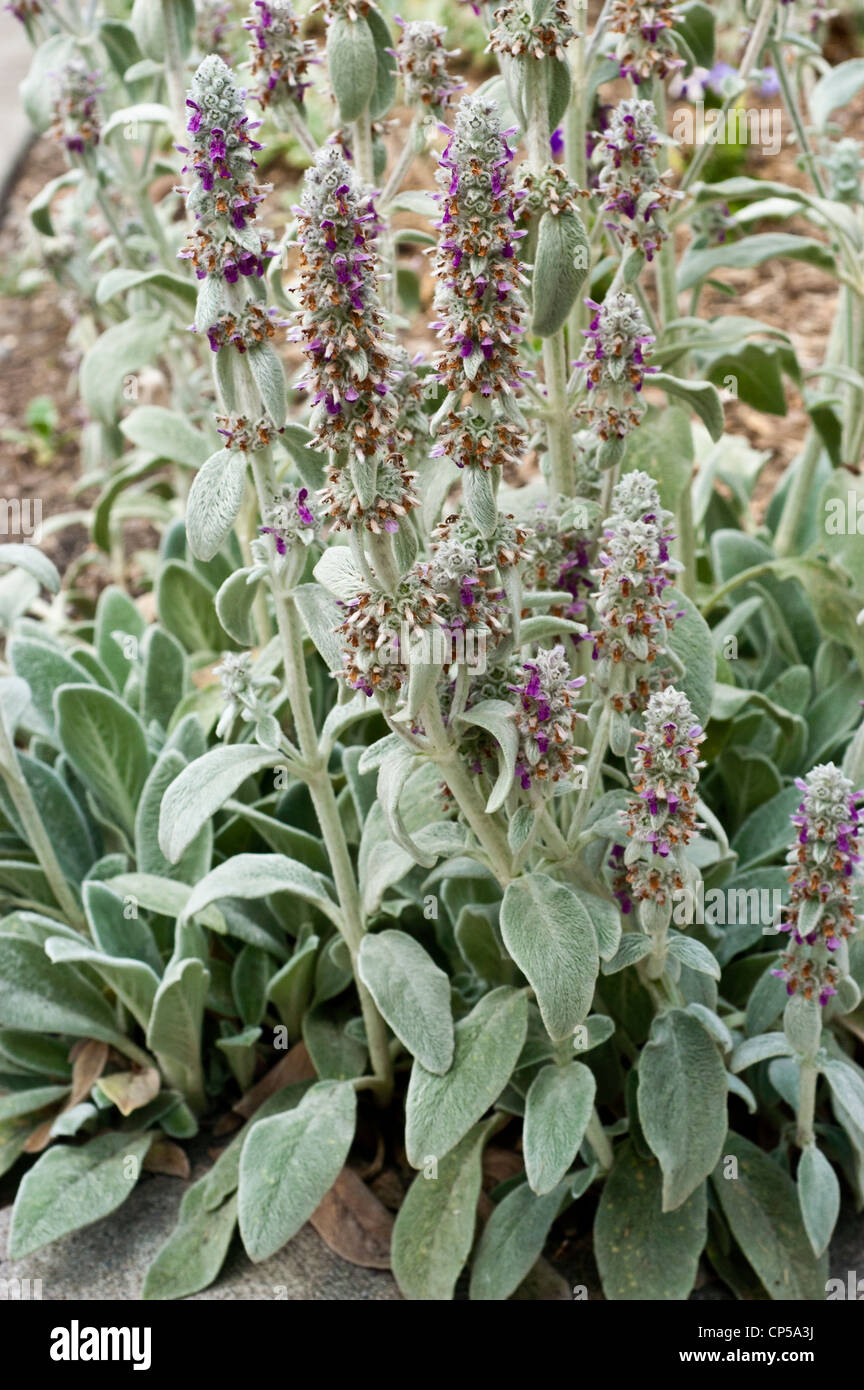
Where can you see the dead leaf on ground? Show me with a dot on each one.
(354, 1223)
(295, 1066)
(167, 1157)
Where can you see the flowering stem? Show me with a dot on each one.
(294, 122)
(593, 770)
(323, 797)
(559, 427)
(485, 827)
(364, 161)
(576, 159)
(756, 43)
(809, 1075)
(401, 167)
(174, 68)
(792, 107)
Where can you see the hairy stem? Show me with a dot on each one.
(559, 426)
(807, 1103)
(323, 797)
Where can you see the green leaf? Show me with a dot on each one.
(195, 861)
(257, 876)
(512, 1241)
(561, 262)
(847, 1087)
(551, 938)
(691, 642)
(195, 1251)
(174, 1033)
(702, 396)
(71, 1187)
(496, 717)
(186, 609)
(45, 998)
(760, 1203)
(765, 833)
(202, 788)
(385, 76)
(117, 353)
(144, 113)
(289, 1163)
(682, 1102)
(31, 559)
(434, 1228)
(166, 433)
(412, 994)
(131, 980)
(751, 251)
(557, 1110)
(235, 603)
(441, 1109)
(337, 1053)
(691, 952)
(818, 1196)
(28, 1102)
(352, 62)
(105, 743)
(757, 1049)
(836, 88)
(290, 989)
(634, 947)
(642, 1252)
(60, 814)
(124, 278)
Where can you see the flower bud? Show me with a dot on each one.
(825, 860)
(615, 367)
(280, 58)
(644, 48)
(422, 61)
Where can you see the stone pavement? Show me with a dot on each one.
(108, 1260)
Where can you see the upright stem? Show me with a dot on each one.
(593, 768)
(758, 36)
(323, 797)
(364, 160)
(791, 104)
(798, 497)
(34, 831)
(667, 282)
(809, 1075)
(559, 426)
(175, 76)
(485, 827)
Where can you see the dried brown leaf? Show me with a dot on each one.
(167, 1157)
(296, 1065)
(354, 1223)
(129, 1090)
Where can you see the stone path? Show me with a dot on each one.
(108, 1260)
